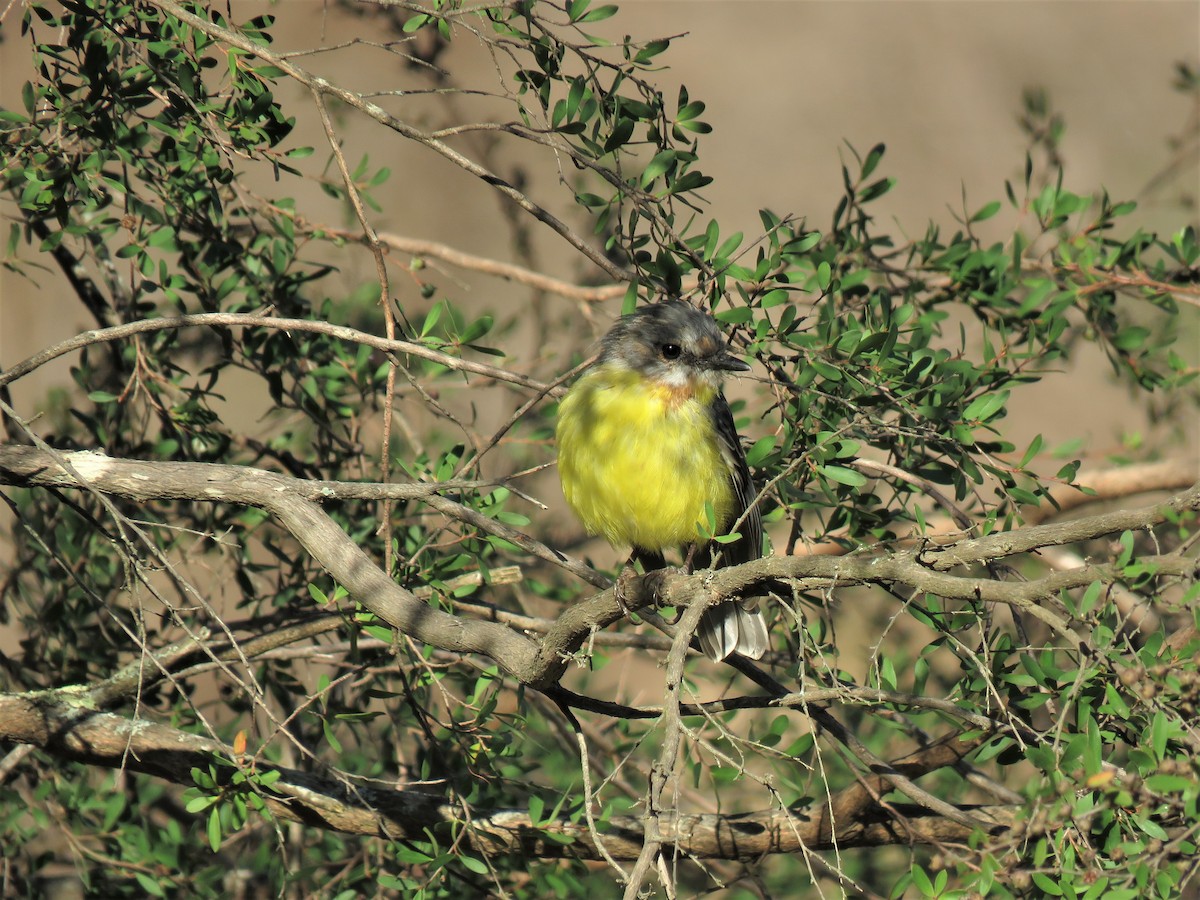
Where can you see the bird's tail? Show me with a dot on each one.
(732, 626)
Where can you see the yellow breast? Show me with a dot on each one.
(638, 460)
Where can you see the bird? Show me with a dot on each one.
(646, 442)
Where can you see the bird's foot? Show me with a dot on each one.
(655, 580)
(621, 588)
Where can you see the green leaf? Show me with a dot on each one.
(199, 804)
(1131, 338)
(471, 863)
(431, 318)
(921, 881)
(650, 50)
(476, 330)
(1125, 556)
(412, 856)
(149, 885)
(738, 315)
(621, 133)
(876, 190)
(162, 239)
(824, 275)
(1034, 447)
(214, 829)
(803, 244)
(1090, 597)
(658, 166)
(1170, 784)
(334, 744)
(986, 212)
(1159, 731)
(1047, 884)
(600, 13)
(1067, 473)
(872, 161)
(1151, 828)
(985, 406)
(761, 450)
(843, 475)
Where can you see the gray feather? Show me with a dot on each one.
(735, 626)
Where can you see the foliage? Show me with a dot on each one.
(153, 168)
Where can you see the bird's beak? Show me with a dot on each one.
(726, 362)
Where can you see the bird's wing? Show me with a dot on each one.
(749, 546)
(735, 625)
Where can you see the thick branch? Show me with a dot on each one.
(54, 722)
(290, 501)
(1022, 540)
(286, 499)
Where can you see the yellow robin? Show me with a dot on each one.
(646, 440)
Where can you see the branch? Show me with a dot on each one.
(242, 320)
(293, 502)
(1022, 540)
(1116, 484)
(1090, 487)
(507, 271)
(55, 722)
(664, 768)
(862, 798)
(286, 498)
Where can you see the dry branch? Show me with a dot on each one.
(294, 503)
(71, 723)
(1117, 484)
(58, 723)
(243, 320)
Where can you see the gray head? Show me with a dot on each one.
(672, 343)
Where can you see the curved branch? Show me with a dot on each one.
(1115, 484)
(540, 664)
(1022, 540)
(507, 271)
(862, 797)
(55, 722)
(843, 695)
(243, 320)
(286, 498)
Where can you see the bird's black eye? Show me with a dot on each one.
(671, 351)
